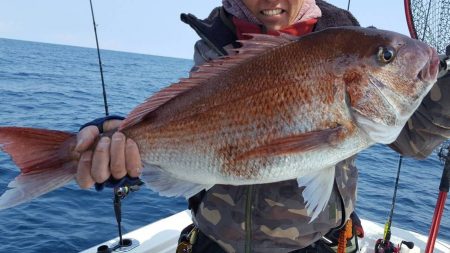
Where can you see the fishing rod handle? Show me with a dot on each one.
(132, 183)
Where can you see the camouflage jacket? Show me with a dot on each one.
(272, 217)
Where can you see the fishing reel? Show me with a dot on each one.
(122, 188)
(386, 246)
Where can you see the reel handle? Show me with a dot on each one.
(382, 246)
(410, 245)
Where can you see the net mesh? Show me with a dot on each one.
(431, 19)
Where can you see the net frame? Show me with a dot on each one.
(429, 21)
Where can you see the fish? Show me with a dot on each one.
(278, 108)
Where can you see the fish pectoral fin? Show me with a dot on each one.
(317, 192)
(294, 144)
(166, 184)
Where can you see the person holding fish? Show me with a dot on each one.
(266, 158)
(269, 217)
(254, 218)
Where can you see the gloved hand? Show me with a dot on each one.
(111, 160)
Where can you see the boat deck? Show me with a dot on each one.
(162, 236)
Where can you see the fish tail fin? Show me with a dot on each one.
(45, 158)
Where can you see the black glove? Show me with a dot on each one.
(111, 182)
(100, 121)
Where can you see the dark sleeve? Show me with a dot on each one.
(216, 33)
(429, 126)
(203, 53)
(333, 16)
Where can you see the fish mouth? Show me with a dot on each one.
(430, 70)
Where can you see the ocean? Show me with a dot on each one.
(59, 87)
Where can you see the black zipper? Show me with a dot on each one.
(248, 219)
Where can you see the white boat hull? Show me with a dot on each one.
(162, 237)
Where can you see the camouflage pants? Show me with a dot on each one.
(204, 244)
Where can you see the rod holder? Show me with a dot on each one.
(116, 247)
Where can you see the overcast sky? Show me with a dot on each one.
(145, 26)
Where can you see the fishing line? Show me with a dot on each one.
(105, 102)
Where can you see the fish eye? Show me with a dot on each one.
(385, 55)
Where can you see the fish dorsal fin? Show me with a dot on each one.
(261, 42)
(250, 48)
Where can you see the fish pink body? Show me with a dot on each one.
(277, 110)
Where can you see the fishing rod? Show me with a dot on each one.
(105, 102)
(121, 187)
(387, 230)
(444, 155)
(384, 245)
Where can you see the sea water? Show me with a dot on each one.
(59, 87)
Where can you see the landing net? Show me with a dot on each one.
(429, 21)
